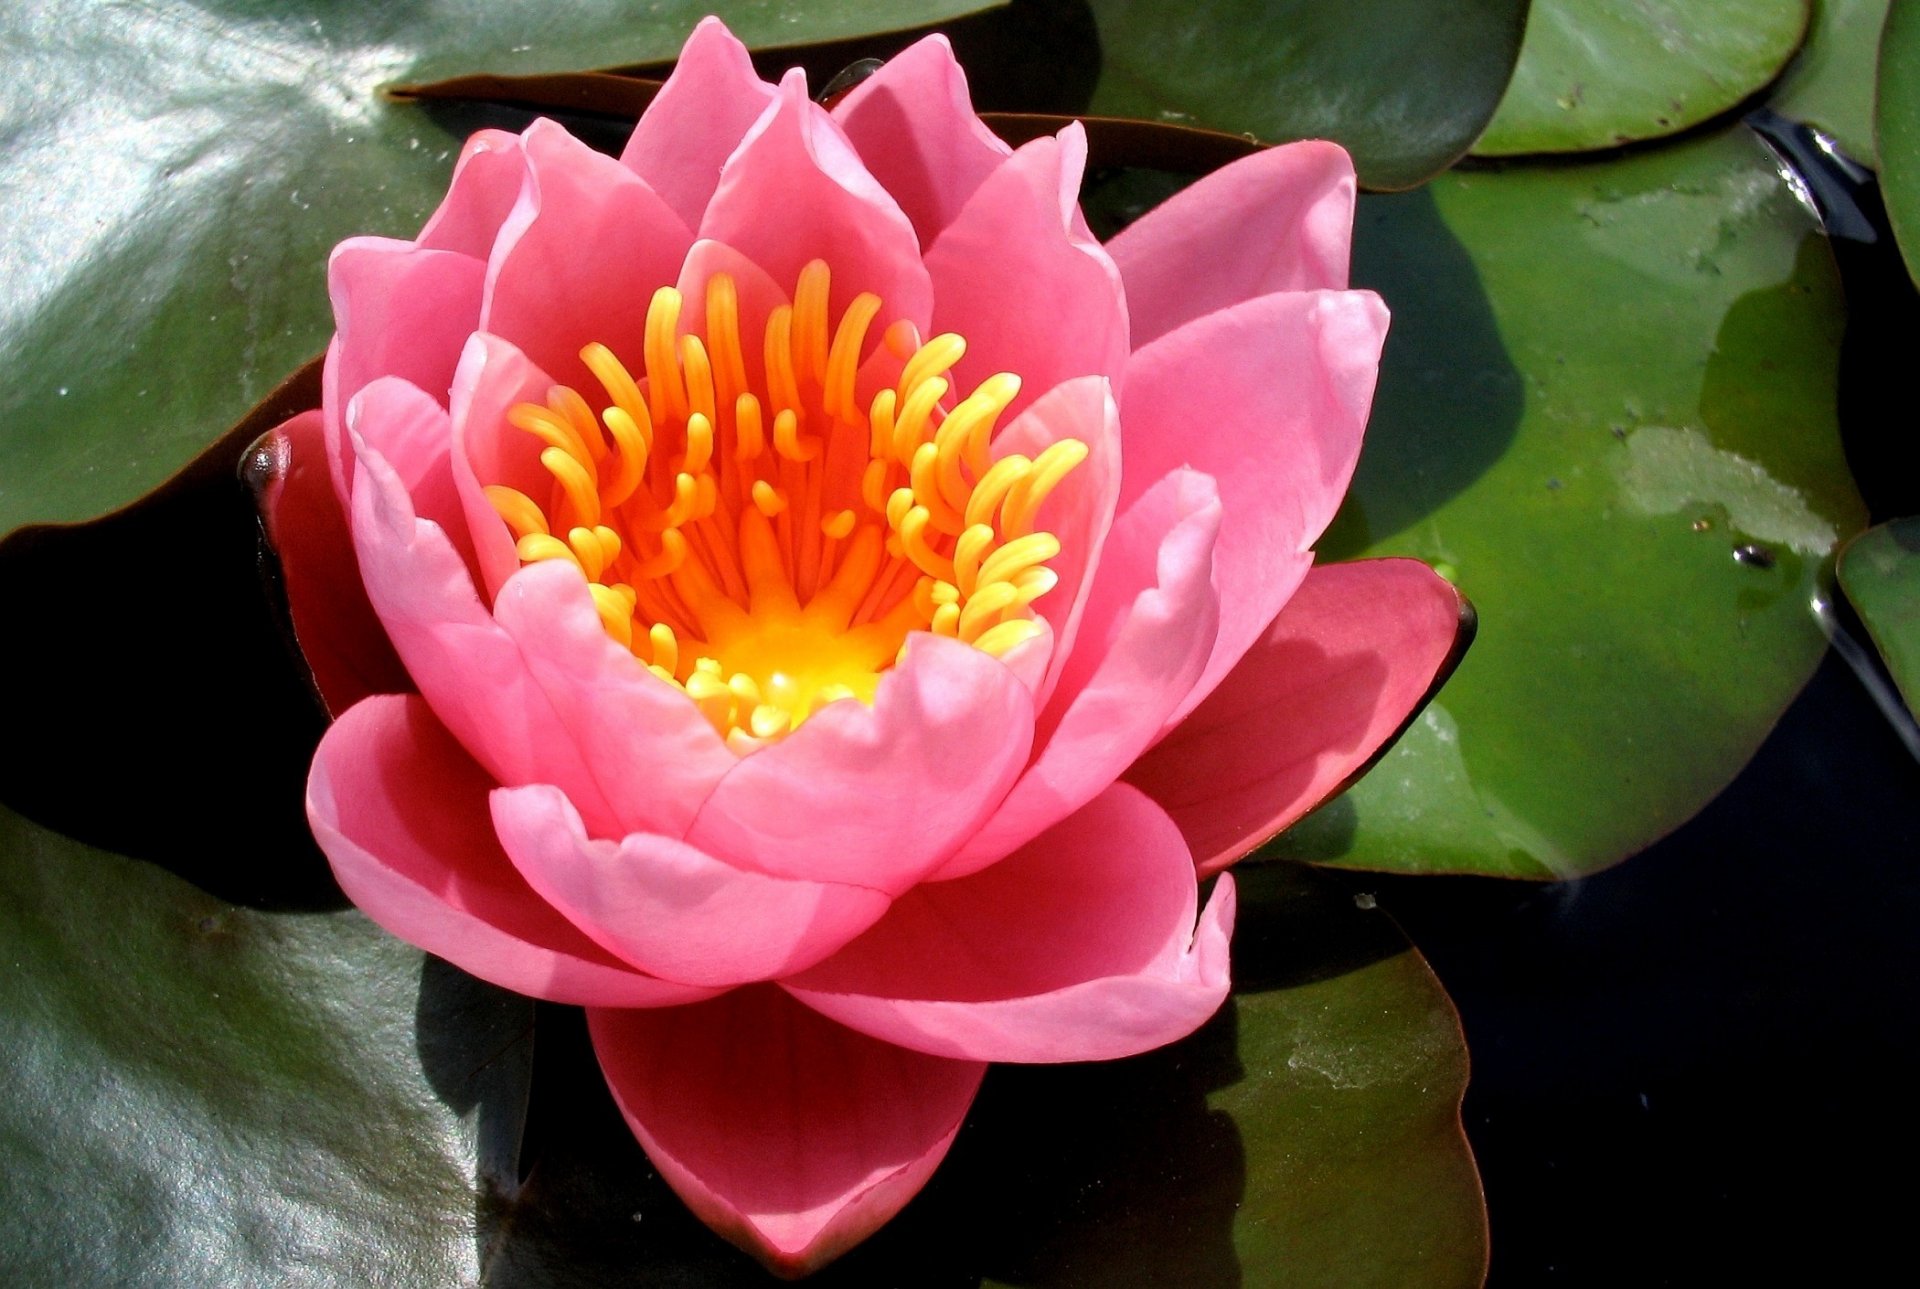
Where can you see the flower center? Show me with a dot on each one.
(769, 550)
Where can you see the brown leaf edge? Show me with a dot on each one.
(1111, 141)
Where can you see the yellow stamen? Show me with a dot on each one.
(769, 550)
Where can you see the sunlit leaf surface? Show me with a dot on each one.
(1829, 84)
(1897, 128)
(1608, 410)
(1880, 572)
(1600, 73)
(173, 174)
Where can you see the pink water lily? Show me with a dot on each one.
(792, 591)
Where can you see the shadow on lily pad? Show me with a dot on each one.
(1130, 1172)
(158, 706)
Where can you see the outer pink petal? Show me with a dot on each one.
(1338, 672)
(1281, 220)
(914, 125)
(652, 753)
(486, 183)
(1270, 398)
(401, 812)
(469, 669)
(536, 690)
(1080, 947)
(1080, 511)
(699, 117)
(1142, 646)
(579, 258)
(342, 640)
(1029, 292)
(877, 796)
(795, 161)
(669, 909)
(789, 1135)
(398, 310)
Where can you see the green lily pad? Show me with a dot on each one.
(198, 1093)
(201, 1094)
(1607, 409)
(1896, 124)
(1880, 572)
(1600, 73)
(1829, 84)
(176, 172)
(1406, 85)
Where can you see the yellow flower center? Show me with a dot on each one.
(769, 550)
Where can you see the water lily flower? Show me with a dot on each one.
(794, 592)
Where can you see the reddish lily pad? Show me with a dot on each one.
(177, 171)
(1880, 572)
(1600, 73)
(1607, 410)
(199, 1092)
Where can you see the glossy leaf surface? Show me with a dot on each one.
(1600, 73)
(173, 174)
(1829, 84)
(1607, 409)
(1406, 85)
(1880, 572)
(203, 1094)
(1896, 126)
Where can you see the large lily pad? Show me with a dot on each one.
(1406, 85)
(202, 1094)
(1600, 73)
(173, 174)
(1829, 85)
(1897, 129)
(1880, 572)
(1608, 409)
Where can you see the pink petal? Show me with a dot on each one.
(493, 376)
(877, 796)
(545, 292)
(913, 124)
(414, 436)
(697, 120)
(1080, 947)
(796, 161)
(789, 1135)
(672, 910)
(1270, 398)
(486, 183)
(401, 812)
(1337, 674)
(1015, 278)
(468, 669)
(655, 758)
(398, 310)
(1148, 630)
(1280, 220)
(757, 296)
(342, 641)
(1080, 510)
